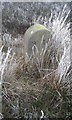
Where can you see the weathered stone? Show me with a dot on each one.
(34, 35)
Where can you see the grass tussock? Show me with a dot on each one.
(30, 88)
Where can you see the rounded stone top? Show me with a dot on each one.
(34, 35)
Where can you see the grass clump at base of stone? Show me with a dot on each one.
(28, 93)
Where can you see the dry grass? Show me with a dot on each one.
(29, 87)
